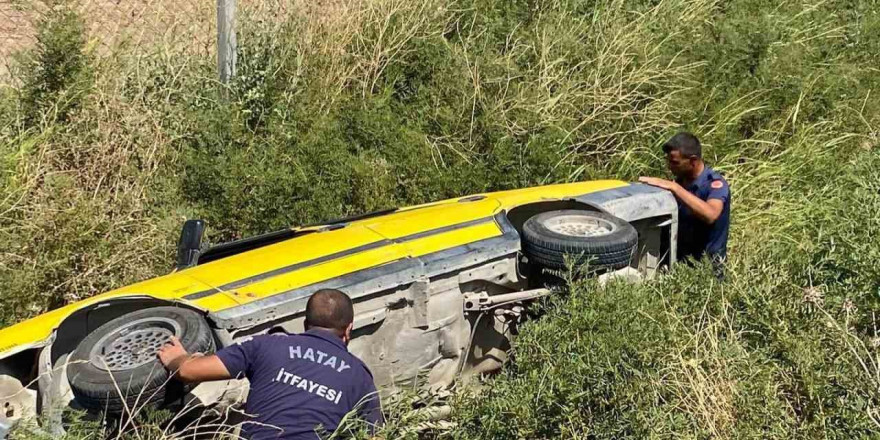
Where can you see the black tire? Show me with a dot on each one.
(547, 247)
(124, 379)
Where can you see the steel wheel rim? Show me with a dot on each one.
(134, 344)
(580, 226)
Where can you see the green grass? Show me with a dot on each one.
(346, 108)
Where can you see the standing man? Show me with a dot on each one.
(299, 383)
(703, 201)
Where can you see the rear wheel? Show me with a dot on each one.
(115, 368)
(600, 240)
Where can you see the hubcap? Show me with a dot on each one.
(134, 344)
(579, 226)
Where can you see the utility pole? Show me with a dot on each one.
(226, 44)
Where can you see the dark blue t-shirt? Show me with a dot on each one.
(695, 237)
(300, 384)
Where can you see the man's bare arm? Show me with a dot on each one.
(707, 211)
(191, 368)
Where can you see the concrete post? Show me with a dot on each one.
(226, 43)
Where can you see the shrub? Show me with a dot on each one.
(57, 71)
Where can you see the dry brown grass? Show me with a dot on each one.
(85, 202)
(86, 193)
(116, 27)
(700, 375)
(349, 43)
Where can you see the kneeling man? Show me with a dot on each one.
(298, 382)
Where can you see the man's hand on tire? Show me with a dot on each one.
(188, 368)
(172, 354)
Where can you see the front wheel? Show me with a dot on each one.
(115, 368)
(601, 240)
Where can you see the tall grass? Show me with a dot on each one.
(786, 347)
(345, 107)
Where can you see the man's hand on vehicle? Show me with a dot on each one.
(172, 354)
(707, 211)
(187, 367)
(660, 183)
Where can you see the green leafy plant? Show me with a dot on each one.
(57, 72)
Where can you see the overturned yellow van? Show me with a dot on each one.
(422, 279)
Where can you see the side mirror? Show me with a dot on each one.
(190, 244)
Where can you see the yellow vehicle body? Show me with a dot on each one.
(250, 276)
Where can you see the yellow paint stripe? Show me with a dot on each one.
(319, 272)
(453, 238)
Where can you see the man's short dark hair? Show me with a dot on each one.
(329, 308)
(685, 143)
